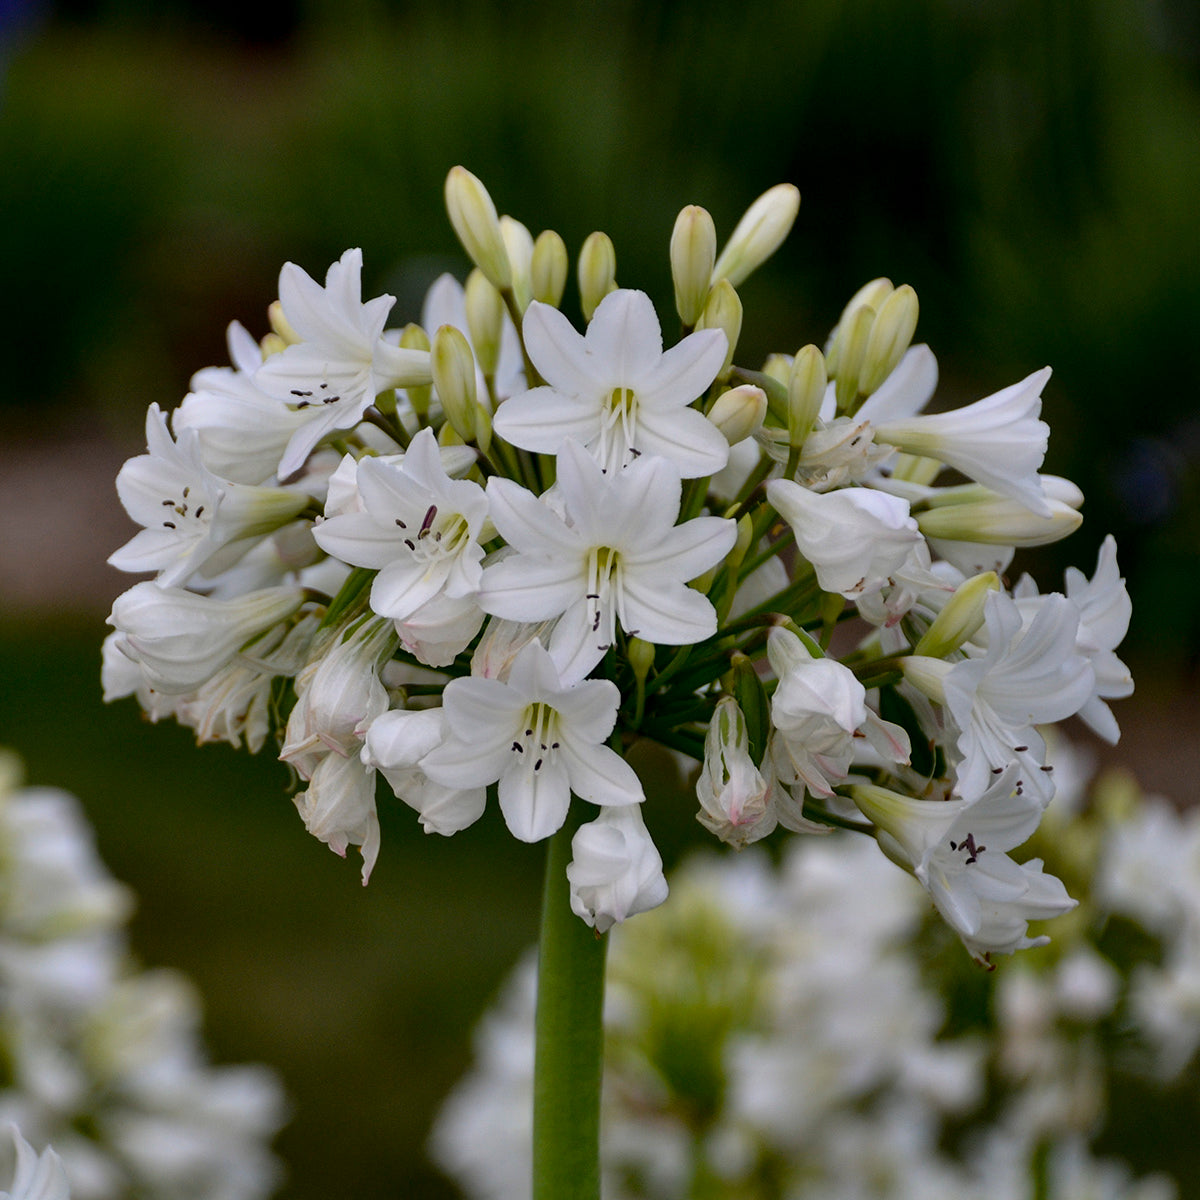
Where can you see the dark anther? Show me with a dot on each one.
(200, 511)
(298, 392)
(168, 504)
(537, 766)
(169, 524)
(997, 770)
(401, 523)
(330, 399)
(410, 543)
(1045, 768)
(1020, 749)
(518, 748)
(430, 513)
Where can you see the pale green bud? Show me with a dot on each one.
(597, 271)
(453, 369)
(413, 337)
(641, 657)
(745, 539)
(739, 412)
(999, 522)
(891, 335)
(280, 325)
(806, 385)
(758, 234)
(473, 216)
(854, 334)
(961, 617)
(548, 270)
(752, 704)
(778, 367)
(927, 675)
(871, 295)
(518, 244)
(723, 311)
(485, 315)
(693, 253)
(915, 468)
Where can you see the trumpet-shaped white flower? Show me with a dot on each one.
(342, 361)
(418, 528)
(539, 738)
(192, 520)
(958, 849)
(998, 441)
(618, 556)
(180, 640)
(615, 870)
(615, 391)
(734, 797)
(854, 538)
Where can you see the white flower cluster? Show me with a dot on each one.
(101, 1060)
(491, 551)
(801, 1032)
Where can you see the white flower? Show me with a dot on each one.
(539, 739)
(192, 521)
(615, 391)
(38, 1176)
(342, 361)
(615, 870)
(617, 557)
(958, 849)
(854, 538)
(338, 807)
(395, 744)
(440, 630)
(180, 639)
(998, 441)
(418, 528)
(733, 794)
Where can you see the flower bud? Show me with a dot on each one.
(485, 315)
(999, 522)
(961, 617)
(927, 675)
(641, 657)
(518, 243)
(854, 333)
(752, 705)
(890, 338)
(280, 325)
(734, 797)
(693, 253)
(615, 870)
(413, 337)
(454, 377)
(739, 412)
(871, 295)
(597, 271)
(758, 234)
(473, 216)
(723, 311)
(806, 390)
(548, 269)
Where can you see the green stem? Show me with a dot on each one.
(570, 1038)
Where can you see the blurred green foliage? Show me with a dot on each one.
(1030, 167)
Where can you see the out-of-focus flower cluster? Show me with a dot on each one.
(800, 1031)
(488, 553)
(101, 1060)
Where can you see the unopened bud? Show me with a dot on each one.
(778, 367)
(752, 701)
(997, 521)
(758, 234)
(413, 337)
(723, 311)
(453, 369)
(518, 244)
(641, 657)
(890, 338)
(927, 675)
(280, 325)
(597, 271)
(853, 335)
(548, 270)
(473, 216)
(870, 295)
(806, 390)
(485, 315)
(693, 253)
(960, 618)
(916, 468)
(739, 412)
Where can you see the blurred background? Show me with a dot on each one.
(1031, 167)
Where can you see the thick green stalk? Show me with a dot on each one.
(570, 1038)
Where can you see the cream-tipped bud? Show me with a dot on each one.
(413, 337)
(597, 271)
(927, 675)
(854, 333)
(758, 234)
(870, 295)
(723, 311)
(997, 521)
(960, 618)
(485, 315)
(806, 385)
(641, 657)
(891, 335)
(778, 367)
(548, 270)
(739, 412)
(518, 245)
(693, 254)
(473, 216)
(453, 368)
(280, 325)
